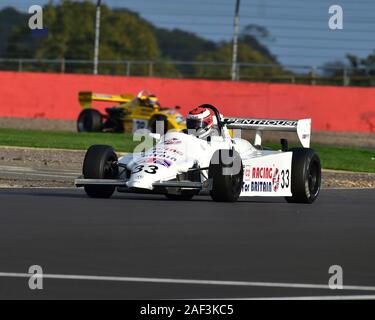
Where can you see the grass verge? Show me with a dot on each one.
(338, 158)
(343, 158)
(64, 140)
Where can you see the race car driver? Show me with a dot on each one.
(201, 122)
(148, 99)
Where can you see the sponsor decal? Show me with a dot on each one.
(165, 150)
(261, 186)
(261, 122)
(174, 151)
(261, 173)
(245, 187)
(157, 160)
(247, 173)
(257, 186)
(276, 180)
(161, 155)
(172, 141)
(262, 179)
(139, 124)
(104, 96)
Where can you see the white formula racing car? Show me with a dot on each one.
(181, 165)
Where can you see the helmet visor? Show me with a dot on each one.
(152, 102)
(196, 123)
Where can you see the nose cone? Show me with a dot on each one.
(176, 152)
(144, 174)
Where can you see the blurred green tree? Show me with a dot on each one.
(246, 54)
(251, 50)
(359, 71)
(70, 24)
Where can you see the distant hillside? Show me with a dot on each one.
(124, 35)
(174, 44)
(181, 45)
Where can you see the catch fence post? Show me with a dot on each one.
(128, 65)
(20, 64)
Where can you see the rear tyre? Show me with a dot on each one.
(306, 176)
(100, 163)
(227, 176)
(159, 118)
(89, 120)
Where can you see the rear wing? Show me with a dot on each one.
(87, 97)
(302, 127)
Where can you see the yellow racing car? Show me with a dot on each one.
(128, 115)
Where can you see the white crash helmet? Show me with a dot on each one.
(202, 121)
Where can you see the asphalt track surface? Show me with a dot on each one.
(145, 241)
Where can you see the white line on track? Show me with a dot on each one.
(30, 169)
(187, 281)
(342, 297)
(39, 174)
(5, 186)
(354, 188)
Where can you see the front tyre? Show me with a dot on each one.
(100, 163)
(226, 172)
(306, 176)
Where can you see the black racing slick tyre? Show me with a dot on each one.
(306, 176)
(100, 163)
(226, 173)
(89, 120)
(157, 121)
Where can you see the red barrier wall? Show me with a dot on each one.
(43, 95)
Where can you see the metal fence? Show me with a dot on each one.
(313, 75)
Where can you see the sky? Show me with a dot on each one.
(299, 32)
